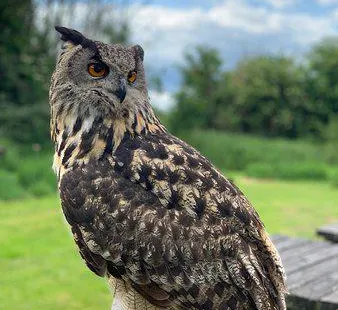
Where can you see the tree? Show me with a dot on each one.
(262, 95)
(322, 82)
(16, 23)
(196, 100)
(331, 135)
(20, 73)
(270, 98)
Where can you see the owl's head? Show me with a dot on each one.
(93, 72)
(98, 95)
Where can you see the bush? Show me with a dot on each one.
(9, 159)
(10, 187)
(30, 169)
(40, 188)
(333, 177)
(288, 171)
(25, 172)
(25, 124)
(230, 151)
(331, 148)
(35, 171)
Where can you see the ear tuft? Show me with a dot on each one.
(139, 51)
(74, 37)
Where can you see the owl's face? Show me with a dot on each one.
(107, 77)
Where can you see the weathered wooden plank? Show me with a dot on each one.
(311, 259)
(311, 254)
(319, 287)
(310, 273)
(290, 243)
(303, 250)
(329, 232)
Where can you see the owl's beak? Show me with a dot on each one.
(122, 89)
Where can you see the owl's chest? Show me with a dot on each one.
(74, 153)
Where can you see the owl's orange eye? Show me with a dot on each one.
(132, 76)
(98, 70)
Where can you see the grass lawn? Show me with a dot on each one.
(41, 269)
(39, 264)
(292, 208)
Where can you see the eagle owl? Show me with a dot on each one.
(148, 211)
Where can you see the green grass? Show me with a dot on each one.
(292, 208)
(41, 269)
(289, 171)
(39, 264)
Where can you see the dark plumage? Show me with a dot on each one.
(146, 209)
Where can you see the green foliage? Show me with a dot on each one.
(10, 187)
(9, 159)
(28, 124)
(197, 100)
(333, 176)
(24, 71)
(288, 171)
(237, 151)
(331, 135)
(265, 95)
(25, 172)
(41, 188)
(322, 84)
(17, 81)
(36, 170)
(269, 98)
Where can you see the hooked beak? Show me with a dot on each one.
(122, 89)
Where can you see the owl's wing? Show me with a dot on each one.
(159, 215)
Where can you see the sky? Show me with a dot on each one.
(236, 28)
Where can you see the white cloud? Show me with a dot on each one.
(168, 18)
(244, 17)
(163, 101)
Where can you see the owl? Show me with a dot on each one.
(147, 211)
